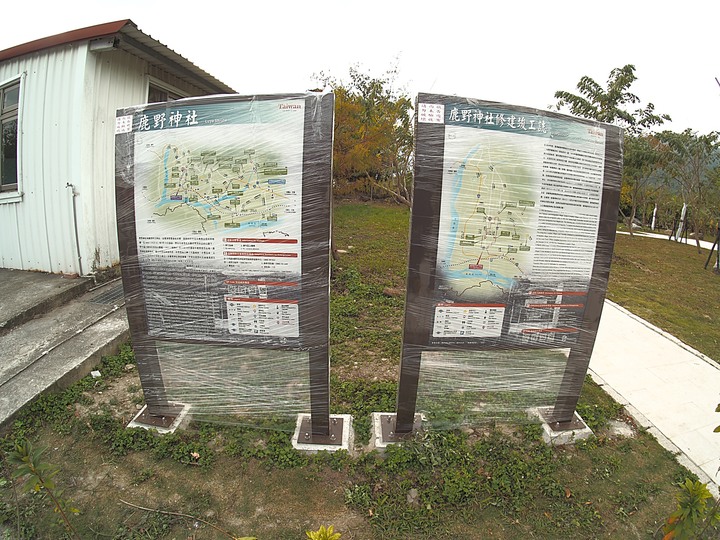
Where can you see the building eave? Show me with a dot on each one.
(130, 39)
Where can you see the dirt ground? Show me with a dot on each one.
(241, 496)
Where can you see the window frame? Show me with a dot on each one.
(13, 192)
(173, 94)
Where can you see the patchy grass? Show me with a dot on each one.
(495, 481)
(378, 234)
(367, 301)
(500, 479)
(665, 283)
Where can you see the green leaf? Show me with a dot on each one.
(37, 453)
(22, 470)
(14, 458)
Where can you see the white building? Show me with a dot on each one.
(58, 97)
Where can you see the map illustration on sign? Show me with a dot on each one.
(488, 217)
(519, 212)
(216, 189)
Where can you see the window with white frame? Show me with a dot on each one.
(157, 94)
(9, 106)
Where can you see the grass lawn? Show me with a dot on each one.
(492, 481)
(666, 284)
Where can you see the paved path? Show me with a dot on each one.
(666, 385)
(691, 242)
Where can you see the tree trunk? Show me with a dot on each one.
(696, 232)
(626, 220)
(633, 211)
(395, 194)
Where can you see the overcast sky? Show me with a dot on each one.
(518, 52)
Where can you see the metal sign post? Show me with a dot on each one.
(716, 245)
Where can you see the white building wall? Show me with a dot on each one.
(66, 146)
(113, 80)
(38, 230)
(69, 97)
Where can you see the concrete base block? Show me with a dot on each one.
(305, 444)
(163, 424)
(561, 434)
(382, 430)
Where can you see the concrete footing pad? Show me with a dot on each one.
(162, 424)
(342, 435)
(382, 430)
(557, 434)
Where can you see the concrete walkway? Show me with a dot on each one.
(667, 386)
(53, 331)
(691, 241)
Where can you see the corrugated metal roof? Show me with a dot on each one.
(130, 39)
(91, 32)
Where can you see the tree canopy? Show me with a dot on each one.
(643, 162)
(610, 104)
(693, 163)
(374, 143)
(373, 147)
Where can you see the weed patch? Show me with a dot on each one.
(360, 399)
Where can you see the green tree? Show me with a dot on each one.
(373, 146)
(642, 161)
(610, 104)
(693, 162)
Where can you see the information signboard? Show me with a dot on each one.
(513, 225)
(224, 231)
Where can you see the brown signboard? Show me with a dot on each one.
(223, 212)
(513, 225)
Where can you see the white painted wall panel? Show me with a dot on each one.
(59, 145)
(114, 79)
(10, 252)
(69, 97)
(42, 221)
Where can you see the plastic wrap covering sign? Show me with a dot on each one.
(513, 225)
(224, 229)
